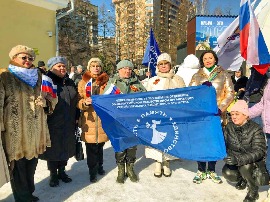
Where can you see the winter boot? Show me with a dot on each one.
(158, 171)
(130, 172)
(54, 182)
(63, 176)
(252, 195)
(121, 173)
(93, 174)
(166, 169)
(101, 171)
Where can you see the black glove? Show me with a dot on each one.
(219, 113)
(207, 83)
(230, 160)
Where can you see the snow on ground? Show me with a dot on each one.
(178, 187)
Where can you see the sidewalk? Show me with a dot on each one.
(179, 187)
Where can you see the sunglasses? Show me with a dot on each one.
(27, 58)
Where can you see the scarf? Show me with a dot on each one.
(28, 76)
(169, 84)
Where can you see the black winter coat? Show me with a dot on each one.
(62, 121)
(247, 143)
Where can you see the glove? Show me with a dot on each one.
(219, 113)
(230, 160)
(207, 83)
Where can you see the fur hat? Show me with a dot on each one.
(240, 106)
(21, 49)
(124, 63)
(191, 61)
(164, 56)
(55, 60)
(94, 60)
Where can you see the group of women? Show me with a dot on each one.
(36, 125)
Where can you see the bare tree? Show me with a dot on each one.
(218, 11)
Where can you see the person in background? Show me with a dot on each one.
(239, 82)
(61, 122)
(165, 79)
(72, 72)
(24, 129)
(42, 67)
(254, 91)
(245, 145)
(188, 68)
(212, 74)
(127, 82)
(92, 132)
(262, 108)
(78, 74)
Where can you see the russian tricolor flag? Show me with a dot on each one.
(88, 88)
(47, 86)
(252, 44)
(112, 90)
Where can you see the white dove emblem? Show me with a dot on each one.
(158, 136)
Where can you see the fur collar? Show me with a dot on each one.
(100, 79)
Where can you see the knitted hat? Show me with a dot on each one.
(124, 63)
(94, 60)
(55, 60)
(191, 61)
(41, 63)
(164, 56)
(240, 106)
(21, 49)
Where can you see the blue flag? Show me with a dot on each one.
(151, 54)
(181, 122)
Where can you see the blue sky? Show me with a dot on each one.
(233, 4)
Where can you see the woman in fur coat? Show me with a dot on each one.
(92, 83)
(23, 120)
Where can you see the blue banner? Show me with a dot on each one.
(151, 54)
(181, 122)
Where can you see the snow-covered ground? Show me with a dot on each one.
(178, 187)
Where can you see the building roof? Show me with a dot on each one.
(47, 4)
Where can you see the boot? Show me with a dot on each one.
(166, 169)
(130, 172)
(242, 184)
(54, 182)
(101, 171)
(34, 198)
(63, 176)
(252, 195)
(93, 174)
(121, 173)
(158, 171)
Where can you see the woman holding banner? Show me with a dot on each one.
(93, 83)
(165, 79)
(23, 125)
(212, 74)
(125, 81)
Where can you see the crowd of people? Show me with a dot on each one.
(35, 124)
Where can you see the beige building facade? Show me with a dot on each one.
(134, 19)
(30, 23)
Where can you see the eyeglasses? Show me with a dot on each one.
(165, 63)
(27, 58)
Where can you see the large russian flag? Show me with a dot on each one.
(252, 44)
(47, 86)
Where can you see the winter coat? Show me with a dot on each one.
(239, 83)
(62, 121)
(126, 86)
(246, 143)
(23, 124)
(90, 123)
(262, 109)
(162, 81)
(222, 83)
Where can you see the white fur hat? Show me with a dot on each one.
(191, 61)
(164, 56)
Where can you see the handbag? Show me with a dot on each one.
(260, 174)
(79, 155)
